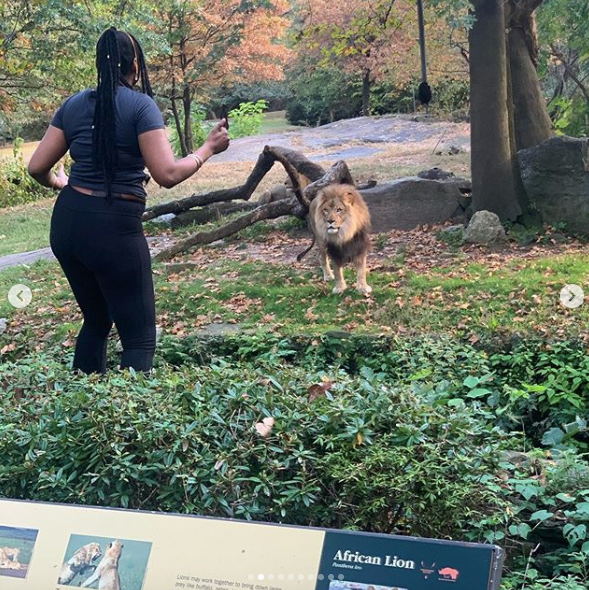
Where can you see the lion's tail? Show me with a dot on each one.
(305, 252)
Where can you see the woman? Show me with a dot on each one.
(112, 133)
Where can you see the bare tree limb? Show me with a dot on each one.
(271, 211)
(301, 172)
(295, 163)
(243, 192)
(339, 173)
(570, 72)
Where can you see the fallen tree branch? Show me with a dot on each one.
(243, 192)
(570, 71)
(339, 173)
(300, 170)
(271, 211)
(295, 163)
(306, 177)
(202, 215)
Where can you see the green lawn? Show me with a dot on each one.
(467, 293)
(275, 123)
(25, 228)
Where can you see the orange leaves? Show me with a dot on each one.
(212, 41)
(380, 38)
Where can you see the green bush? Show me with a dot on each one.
(428, 437)
(320, 95)
(539, 385)
(570, 116)
(247, 119)
(185, 441)
(16, 185)
(226, 98)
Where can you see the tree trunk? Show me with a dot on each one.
(366, 83)
(520, 189)
(187, 102)
(532, 122)
(493, 176)
(179, 128)
(422, 52)
(176, 114)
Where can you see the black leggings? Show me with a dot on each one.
(102, 250)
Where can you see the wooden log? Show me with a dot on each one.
(339, 173)
(201, 215)
(270, 211)
(295, 163)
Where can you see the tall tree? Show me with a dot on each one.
(358, 35)
(493, 171)
(531, 119)
(203, 48)
(564, 33)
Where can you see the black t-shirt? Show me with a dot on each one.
(136, 113)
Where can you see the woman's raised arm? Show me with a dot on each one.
(163, 166)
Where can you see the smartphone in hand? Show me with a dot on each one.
(225, 115)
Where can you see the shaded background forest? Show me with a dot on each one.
(318, 60)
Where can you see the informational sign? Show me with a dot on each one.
(55, 547)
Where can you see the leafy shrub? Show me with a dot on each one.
(16, 185)
(247, 119)
(421, 437)
(185, 441)
(320, 94)
(571, 116)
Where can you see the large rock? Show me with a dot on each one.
(484, 228)
(408, 202)
(556, 177)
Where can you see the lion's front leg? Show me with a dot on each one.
(361, 285)
(340, 282)
(324, 262)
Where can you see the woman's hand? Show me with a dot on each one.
(160, 160)
(50, 150)
(61, 178)
(218, 139)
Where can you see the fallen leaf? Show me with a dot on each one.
(264, 427)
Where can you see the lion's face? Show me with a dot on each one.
(12, 553)
(335, 209)
(340, 212)
(113, 550)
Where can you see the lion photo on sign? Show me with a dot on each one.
(80, 562)
(340, 222)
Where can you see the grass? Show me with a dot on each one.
(275, 122)
(25, 227)
(470, 293)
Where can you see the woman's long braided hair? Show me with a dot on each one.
(115, 53)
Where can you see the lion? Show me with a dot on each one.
(340, 222)
(80, 562)
(9, 559)
(11, 553)
(14, 565)
(108, 569)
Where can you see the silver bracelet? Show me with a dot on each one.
(197, 159)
